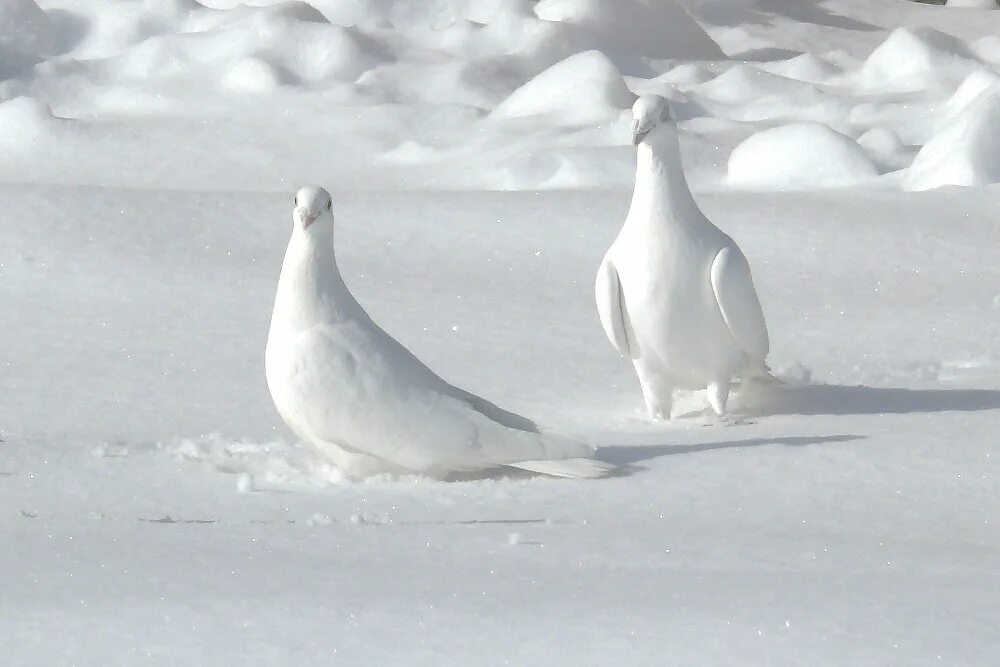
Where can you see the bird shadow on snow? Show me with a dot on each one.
(627, 455)
(832, 399)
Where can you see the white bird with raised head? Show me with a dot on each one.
(674, 292)
(343, 384)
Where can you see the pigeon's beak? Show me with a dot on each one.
(639, 133)
(306, 217)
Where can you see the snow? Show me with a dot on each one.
(629, 30)
(965, 151)
(26, 36)
(584, 89)
(916, 58)
(799, 156)
(972, 4)
(154, 510)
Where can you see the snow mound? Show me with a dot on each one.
(253, 49)
(971, 4)
(799, 156)
(971, 88)
(26, 35)
(987, 49)
(744, 83)
(387, 14)
(886, 149)
(686, 74)
(583, 89)
(965, 152)
(24, 120)
(917, 59)
(254, 75)
(567, 169)
(329, 52)
(805, 67)
(624, 29)
(881, 142)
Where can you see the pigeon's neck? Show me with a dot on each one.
(661, 194)
(311, 290)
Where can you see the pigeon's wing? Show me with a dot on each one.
(738, 302)
(365, 393)
(612, 311)
(494, 412)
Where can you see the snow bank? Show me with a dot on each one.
(25, 120)
(744, 83)
(917, 59)
(253, 49)
(965, 152)
(254, 74)
(624, 29)
(799, 156)
(806, 67)
(881, 142)
(563, 169)
(583, 89)
(886, 149)
(987, 49)
(26, 35)
(971, 4)
(686, 74)
(539, 34)
(971, 88)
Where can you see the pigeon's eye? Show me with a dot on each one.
(329, 205)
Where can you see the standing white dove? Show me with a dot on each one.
(674, 292)
(343, 384)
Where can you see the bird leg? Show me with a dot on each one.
(718, 395)
(658, 396)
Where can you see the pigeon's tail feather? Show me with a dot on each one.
(570, 468)
(565, 456)
(559, 445)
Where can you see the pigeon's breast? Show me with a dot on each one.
(313, 377)
(673, 310)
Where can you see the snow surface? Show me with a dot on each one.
(153, 509)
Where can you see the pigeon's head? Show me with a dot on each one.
(651, 116)
(313, 208)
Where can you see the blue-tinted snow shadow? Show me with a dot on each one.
(764, 12)
(626, 455)
(832, 399)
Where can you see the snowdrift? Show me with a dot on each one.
(584, 88)
(917, 59)
(965, 152)
(799, 156)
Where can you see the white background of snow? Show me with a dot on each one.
(152, 508)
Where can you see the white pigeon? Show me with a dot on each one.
(343, 384)
(674, 292)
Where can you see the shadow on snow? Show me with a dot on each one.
(830, 399)
(626, 455)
